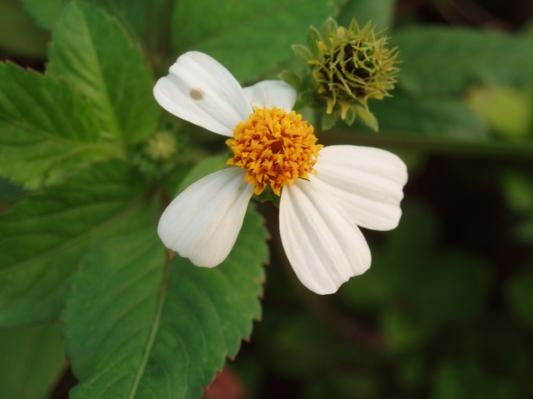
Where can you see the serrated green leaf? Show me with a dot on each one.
(156, 327)
(380, 12)
(133, 12)
(32, 361)
(445, 61)
(248, 37)
(43, 237)
(92, 52)
(46, 130)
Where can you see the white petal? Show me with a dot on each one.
(203, 221)
(271, 93)
(367, 182)
(323, 246)
(201, 91)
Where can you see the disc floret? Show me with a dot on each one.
(275, 147)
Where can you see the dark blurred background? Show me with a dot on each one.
(446, 310)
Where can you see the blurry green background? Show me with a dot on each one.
(446, 310)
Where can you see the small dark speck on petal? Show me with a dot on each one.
(196, 94)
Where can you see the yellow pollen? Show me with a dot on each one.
(275, 147)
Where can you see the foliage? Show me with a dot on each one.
(156, 316)
(32, 360)
(88, 51)
(86, 287)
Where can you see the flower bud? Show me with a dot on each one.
(349, 66)
(161, 146)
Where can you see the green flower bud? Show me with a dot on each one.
(161, 146)
(349, 66)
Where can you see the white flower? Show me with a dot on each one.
(325, 192)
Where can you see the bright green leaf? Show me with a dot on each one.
(32, 361)
(132, 12)
(46, 130)
(446, 61)
(140, 325)
(92, 51)
(43, 237)
(248, 37)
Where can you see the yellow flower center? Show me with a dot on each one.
(275, 147)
